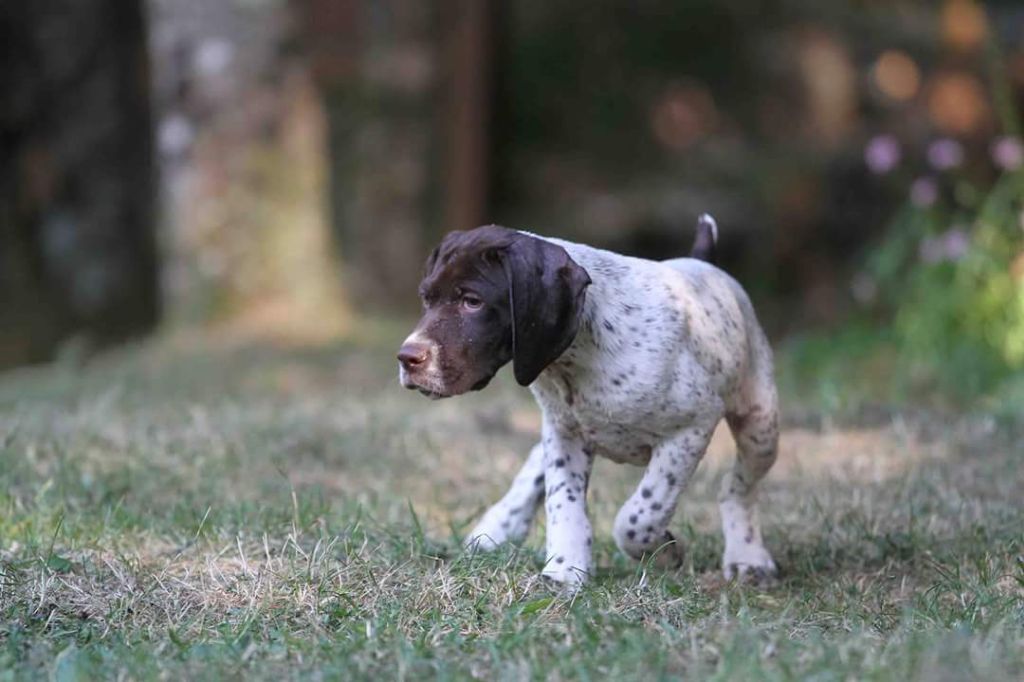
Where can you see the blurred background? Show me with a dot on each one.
(282, 167)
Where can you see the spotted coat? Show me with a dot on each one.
(665, 350)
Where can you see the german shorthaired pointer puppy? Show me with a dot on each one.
(629, 359)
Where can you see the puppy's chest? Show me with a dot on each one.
(621, 443)
(621, 436)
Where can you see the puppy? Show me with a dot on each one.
(630, 359)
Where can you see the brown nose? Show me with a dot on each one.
(412, 355)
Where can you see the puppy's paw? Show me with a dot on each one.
(665, 553)
(751, 564)
(567, 571)
(481, 540)
(669, 554)
(498, 526)
(565, 580)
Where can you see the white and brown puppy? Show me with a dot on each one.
(629, 359)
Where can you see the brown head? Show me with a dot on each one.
(491, 295)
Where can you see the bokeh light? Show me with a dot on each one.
(682, 115)
(957, 102)
(964, 25)
(896, 75)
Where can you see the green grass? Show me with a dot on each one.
(191, 510)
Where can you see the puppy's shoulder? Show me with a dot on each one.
(602, 263)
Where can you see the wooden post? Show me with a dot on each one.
(469, 58)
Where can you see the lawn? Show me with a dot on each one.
(192, 509)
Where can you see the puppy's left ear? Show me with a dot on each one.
(546, 293)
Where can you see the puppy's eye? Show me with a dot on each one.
(472, 302)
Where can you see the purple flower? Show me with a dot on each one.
(1008, 152)
(951, 245)
(882, 154)
(956, 243)
(945, 153)
(924, 192)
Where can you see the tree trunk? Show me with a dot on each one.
(77, 236)
(407, 93)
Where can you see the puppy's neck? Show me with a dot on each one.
(599, 338)
(586, 350)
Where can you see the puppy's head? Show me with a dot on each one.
(491, 295)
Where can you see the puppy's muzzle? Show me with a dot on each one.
(417, 370)
(413, 356)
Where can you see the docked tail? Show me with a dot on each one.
(706, 240)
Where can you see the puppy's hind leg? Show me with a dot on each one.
(754, 423)
(509, 520)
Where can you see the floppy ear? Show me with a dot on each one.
(432, 260)
(546, 293)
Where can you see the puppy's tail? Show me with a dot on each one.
(706, 241)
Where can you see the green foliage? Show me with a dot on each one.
(839, 371)
(946, 326)
(958, 318)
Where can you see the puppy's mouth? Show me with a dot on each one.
(432, 392)
(437, 395)
(435, 389)
(428, 391)
(433, 395)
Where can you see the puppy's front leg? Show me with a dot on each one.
(566, 477)
(509, 520)
(641, 526)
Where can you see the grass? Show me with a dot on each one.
(194, 510)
